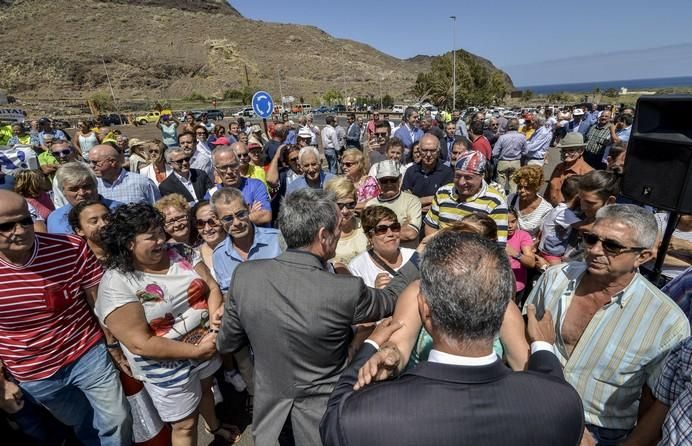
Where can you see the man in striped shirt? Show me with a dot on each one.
(614, 328)
(50, 342)
(468, 193)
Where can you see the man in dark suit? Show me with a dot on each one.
(298, 316)
(190, 183)
(463, 394)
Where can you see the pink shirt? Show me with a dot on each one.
(518, 240)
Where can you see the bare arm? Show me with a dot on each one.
(513, 338)
(408, 232)
(429, 230)
(129, 325)
(272, 176)
(261, 217)
(648, 428)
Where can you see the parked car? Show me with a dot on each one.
(245, 111)
(398, 108)
(322, 109)
(339, 108)
(147, 118)
(112, 119)
(215, 115)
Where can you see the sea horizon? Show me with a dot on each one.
(630, 84)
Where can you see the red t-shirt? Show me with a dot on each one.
(45, 320)
(481, 144)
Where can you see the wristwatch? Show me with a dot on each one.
(517, 257)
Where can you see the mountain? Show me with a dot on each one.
(156, 49)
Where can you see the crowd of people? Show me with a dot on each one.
(361, 282)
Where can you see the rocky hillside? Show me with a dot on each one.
(172, 48)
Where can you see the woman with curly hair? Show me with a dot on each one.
(158, 303)
(530, 206)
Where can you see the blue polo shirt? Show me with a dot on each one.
(58, 219)
(422, 183)
(266, 245)
(252, 190)
(301, 182)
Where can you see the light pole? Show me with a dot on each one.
(454, 62)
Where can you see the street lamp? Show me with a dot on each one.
(454, 62)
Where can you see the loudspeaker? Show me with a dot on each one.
(658, 166)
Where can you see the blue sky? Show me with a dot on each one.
(619, 39)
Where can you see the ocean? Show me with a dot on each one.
(632, 84)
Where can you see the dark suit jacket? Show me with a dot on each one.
(440, 404)
(297, 316)
(200, 183)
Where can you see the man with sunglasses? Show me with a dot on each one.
(190, 183)
(615, 327)
(116, 183)
(50, 343)
(405, 205)
(245, 240)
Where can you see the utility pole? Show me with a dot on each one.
(115, 103)
(454, 62)
(281, 91)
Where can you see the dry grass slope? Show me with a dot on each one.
(171, 48)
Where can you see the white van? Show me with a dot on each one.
(398, 108)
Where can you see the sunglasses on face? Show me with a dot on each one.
(243, 155)
(385, 181)
(230, 218)
(212, 222)
(382, 229)
(62, 153)
(10, 225)
(610, 247)
(181, 161)
(349, 205)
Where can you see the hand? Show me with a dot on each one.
(256, 206)
(382, 280)
(120, 361)
(587, 439)
(384, 330)
(215, 321)
(206, 347)
(511, 251)
(10, 397)
(380, 366)
(540, 330)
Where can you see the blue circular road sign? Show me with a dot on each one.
(262, 104)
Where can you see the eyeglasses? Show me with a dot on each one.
(228, 167)
(429, 152)
(243, 155)
(388, 180)
(62, 153)
(349, 205)
(240, 215)
(176, 220)
(212, 222)
(10, 225)
(382, 229)
(381, 135)
(610, 247)
(181, 161)
(99, 162)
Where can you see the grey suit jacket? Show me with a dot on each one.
(297, 317)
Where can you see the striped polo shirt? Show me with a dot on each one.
(45, 320)
(447, 208)
(622, 347)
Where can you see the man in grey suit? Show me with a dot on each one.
(297, 316)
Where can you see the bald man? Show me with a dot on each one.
(425, 178)
(50, 343)
(116, 183)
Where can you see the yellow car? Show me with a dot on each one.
(149, 117)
